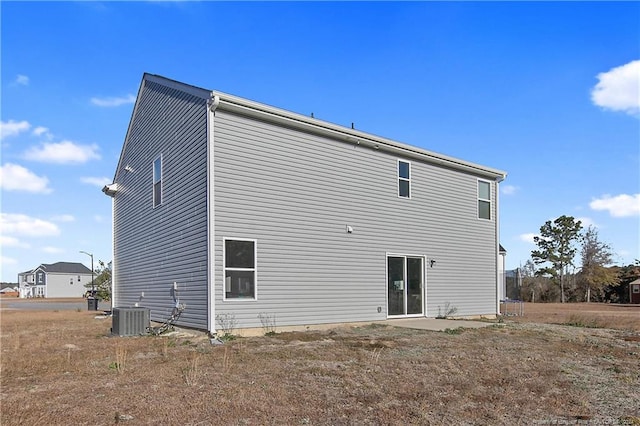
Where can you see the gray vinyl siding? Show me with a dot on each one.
(155, 247)
(295, 193)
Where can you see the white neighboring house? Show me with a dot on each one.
(60, 279)
(9, 290)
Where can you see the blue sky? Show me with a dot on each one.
(546, 91)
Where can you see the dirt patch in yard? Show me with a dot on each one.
(65, 368)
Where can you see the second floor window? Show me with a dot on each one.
(404, 179)
(157, 181)
(484, 199)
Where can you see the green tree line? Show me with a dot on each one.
(551, 274)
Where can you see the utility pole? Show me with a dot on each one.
(92, 307)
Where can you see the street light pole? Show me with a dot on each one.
(93, 290)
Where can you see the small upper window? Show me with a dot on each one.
(484, 199)
(404, 179)
(157, 181)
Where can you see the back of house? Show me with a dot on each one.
(247, 213)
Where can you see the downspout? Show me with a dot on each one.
(212, 105)
(113, 252)
(497, 245)
(111, 190)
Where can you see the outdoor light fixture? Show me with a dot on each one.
(432, 262)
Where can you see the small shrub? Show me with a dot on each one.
(268, 322)
(448, 311)
(227, 323)
(121, 360)
(453, 331)
(227, 337)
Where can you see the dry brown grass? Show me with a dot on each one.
(61, 368)
(594, 315)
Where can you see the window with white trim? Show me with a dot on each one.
(239, 269)
(404, 179)
(157, 181)
(484, 199)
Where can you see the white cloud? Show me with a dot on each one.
(8, 260)
(7, 241)
(528, 238)
(23, 225)
(65, 152)
(52, 250)
(619, 89)
(13, 128)
(622, 205)
(14, 177)
(113, 101)
(42, 131)
(22, 80)
(98, 218)
(508, 189)
(96, 181)
(586, 222)
(63, 218)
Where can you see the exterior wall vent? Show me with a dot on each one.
(130, 321)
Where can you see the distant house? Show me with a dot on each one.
(10, 292)
(61, 279)
(243, 211)
(634, 292)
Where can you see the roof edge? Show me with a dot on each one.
(265, 112)
(269, 113)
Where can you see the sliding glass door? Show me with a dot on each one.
(405, 279)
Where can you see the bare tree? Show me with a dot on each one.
(596, 256)
(535, 287)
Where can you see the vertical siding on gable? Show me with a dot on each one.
(155, 247)
(295, 193)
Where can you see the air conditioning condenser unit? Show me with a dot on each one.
(130, 321)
